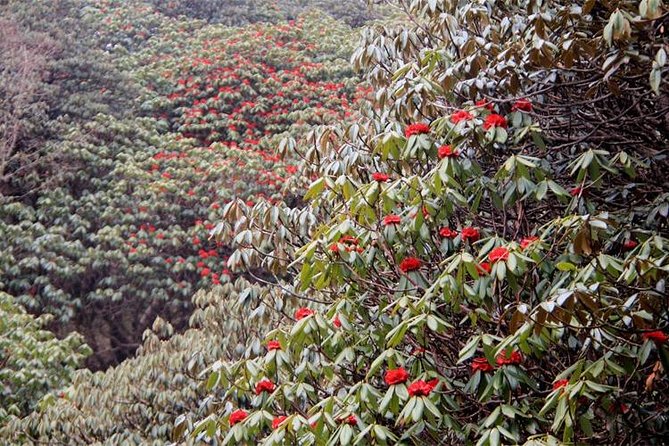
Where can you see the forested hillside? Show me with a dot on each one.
(332, 223)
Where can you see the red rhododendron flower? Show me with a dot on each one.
(446, 152)
(351, 420)
(276, 422)
(336, 322)
(410, 264)
(470, 233)
(484, 268)
(416, 129)
(527, 241)
(303, 312)
(485, 104)
(237, 416)
(630, 244)
(560, 383)
(420, 388)
(522, 105)
(576, 191)
(461, 115)
(334, 247)
(481, 364)
(494, 120)
(273, 345)
(447, 233)
(514, 358)
(348, 239)
(391, 220)
(499, 253)
(265, 386)
(657, 336)
(380, 177)
(396, 376)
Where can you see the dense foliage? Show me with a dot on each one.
(489, 246)
(472, 251)
(124, 235)
(33, 361)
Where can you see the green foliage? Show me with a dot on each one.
(124, 235)
(33, 362)
(137, 402)
(489, 227)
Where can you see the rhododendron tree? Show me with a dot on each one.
(537, 286)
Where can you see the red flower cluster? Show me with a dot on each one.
(657, 336)
(416, 129)
(391, 220)
(494, 120)
(499, 253)
(237, 416)
(471, 234)
(630, 244)
(303, 312)
(422, 388)
(484, 268)
(484, 104)
(447, 233)
(273, 345)
(447, 152)
(380, 177)
(265, 386)
(560, 383)
(396, 376)
(514, 358)
(276, 422)
(461, 115)
(410, 264)
(336, 322)
(522, 105)
(350, 420)
(527, 241)
(481, 364)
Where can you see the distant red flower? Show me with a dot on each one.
(657, 336)
(420, 388)
(576, 191)
(391, 220)
(303, 312)
(396, 376)
(522, 105)
(237, 416)
(527, 241)
(336, 322)
(416, 129)
(273, 345)
(630, 244)
(484, 104)
(448, 233)
(499, 253)
(481, 364)
(348, 239)
(276, 422)
(334, 247)
(410, 264)
(205, 272)
(484, 268)
(446, 151)
(560, 383)
(265, 386)
(380, 177)
(350, 420)
(514, 358)
(494, 120)
(461, 115)
(470, 233)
